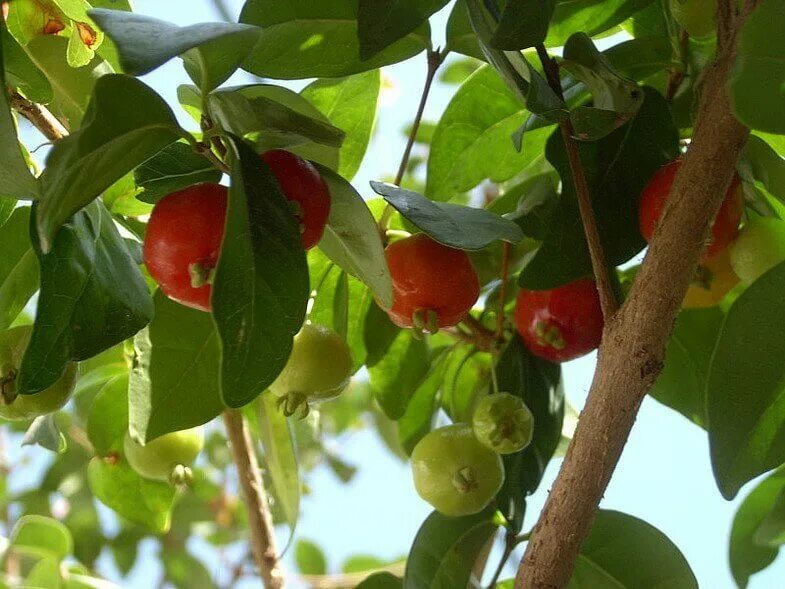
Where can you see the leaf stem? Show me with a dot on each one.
(598, 260)
(39, 116)
(260, 521)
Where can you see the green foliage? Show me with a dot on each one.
(18, 266)
(381, 23)
(175, 167)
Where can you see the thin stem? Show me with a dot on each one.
(484, 337)
(506, 249)
(260, 521)
(39, 116)
(206, 151)
(598, 261)
(677, 74)
(509, 546)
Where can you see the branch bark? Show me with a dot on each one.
(260, 521)
(633, 348)
(39, 116)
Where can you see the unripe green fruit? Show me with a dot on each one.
(13, 343)
(697, 17)
(319, 368)
(759, 247)
(166, 458)
(454, 472)
(503, 423)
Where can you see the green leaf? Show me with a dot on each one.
(590, 17)
(381, 581)
(175, 167)
(261, 282)
(473, 140)
(350, 104)
(16, 181)
(383, 22)
(457, 226)
(280, 457)
(107, 421)
(757, 94)
(766, 166)
(746, 386)
(539, 384)
(174, 380)
(184, 570)
(360, 563)
(211, 64)
(45, 574)
(682, 383)
(22, 73)
(746, 555)
(617, 168)
(41, 536)
(396, 377)
(624, 551)
(771, 531)
(523, 24)
(126, 124)
(18, 266)
(44, 432)
(306, 39)
(352, 238)
(460, 35)
(145, 43)
(446, 548)
(467, 377)
(138, 500)
(92, 297)
(417, 421)
(310, 558)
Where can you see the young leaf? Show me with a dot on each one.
(146, 43)
(382, 22)
(624, 551)
(396, 377)
(107, 421)
(44, 573)
(381, 581)
(41, 536)
(261, 282)
(352, 238)
(457, 226)
(589, 16)
(417, 421)
(473, 142)
(92, 297)
(175, 167)
(310, 558)
(174, 380)
(306, 39)
(756, 82)
(745, 386)
(22, 73)
(617, 169)
(18, 266)
(44, 432)
(126, 124)
(523, 24)
(138, 500)
(446, 548)
(350, 104)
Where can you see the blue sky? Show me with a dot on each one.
(664, 476)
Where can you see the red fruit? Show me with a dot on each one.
(563, 323)
(434, 285)
(183, 242)
(302, 184)
(725, 226)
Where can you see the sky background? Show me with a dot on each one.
(664, 476)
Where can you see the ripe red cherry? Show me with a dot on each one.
(302, 184)
(183, 242)
(725, 226)
(434, 286)
(560, 324)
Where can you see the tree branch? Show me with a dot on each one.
(39, 116)
(631, 355)
(260, 521)
(599, 264)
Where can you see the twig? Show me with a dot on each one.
(598, 261)
(205, 150)
(482, 337)
(506, 248)
(39, 116)
(260, 521)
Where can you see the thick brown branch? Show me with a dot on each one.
(260, 521)
(598, 261)
(634, 342)
(39, 116)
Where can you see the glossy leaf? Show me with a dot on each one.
(214, 62)
(352, 238)
(396, 377)
(126, 124)
(624, 551)
(523, 24)
(460, 35)
(350, 104)
(107, 421)
(756, 83)
(41, 536)
(617, 168)
(383, 22)
(262, 267)
(22, 73)
(590, 17)
(92, 297)
(145, 43)
(418, 419)
(175, 167)
(174, 382)
(766, 166)
(473, 140)
(18, 266)
(305, 39)
(746, 424)
(446, 548)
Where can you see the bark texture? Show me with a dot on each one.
(633, 348)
